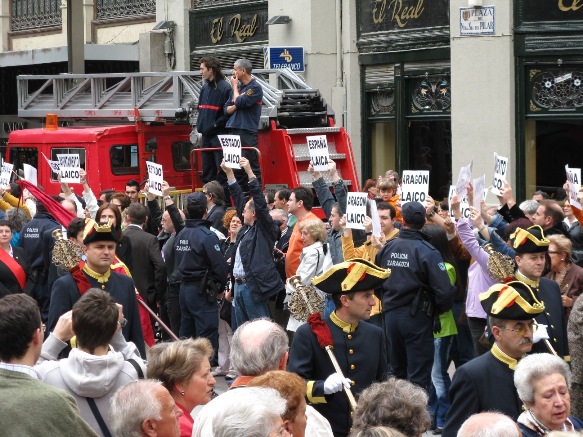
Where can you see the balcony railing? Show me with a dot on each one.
(109, 9)
(34, 14)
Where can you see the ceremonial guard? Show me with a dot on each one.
(531, 246)
(357, 347)
(486, 382)
(99, 243)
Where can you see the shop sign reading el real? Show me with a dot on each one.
(477, 21)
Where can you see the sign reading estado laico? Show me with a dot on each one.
(477, 21)
(291, 57)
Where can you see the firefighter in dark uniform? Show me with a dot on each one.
(358, 347)
(211, 120)
(417, 291)
(531, 246)
(204, 273)
(244, 107)
(486, 382)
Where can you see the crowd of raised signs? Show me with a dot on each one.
(99, 342)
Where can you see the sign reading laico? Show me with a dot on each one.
(214, 28)
(284, 57)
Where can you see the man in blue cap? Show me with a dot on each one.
(204, 273)
(417, 291)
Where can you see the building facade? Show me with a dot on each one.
(418, 84)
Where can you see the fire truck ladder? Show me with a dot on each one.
(155, 96)
(289, 104)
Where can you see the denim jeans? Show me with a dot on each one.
(245, 308)
(439, 402)
(199, 317)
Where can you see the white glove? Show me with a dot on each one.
(334, 383)
(540, 334)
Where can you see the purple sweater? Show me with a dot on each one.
(478, 278)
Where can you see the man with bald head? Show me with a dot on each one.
(260, 346)
(489, 424)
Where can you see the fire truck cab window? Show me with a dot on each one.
(23, 155)
(124, 159)
(181, 155)
(66, 151)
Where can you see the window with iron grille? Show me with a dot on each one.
(109, 9)
(34, 14)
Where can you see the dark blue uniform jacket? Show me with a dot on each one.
(248, 105)
(197, 249)
(415, 264)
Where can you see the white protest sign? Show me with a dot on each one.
(30, 174)
(155, 177)
(231, 145)
(415, 186)
(6, 174)
(500, 172)
(70, 165)
(376, 221)
(464, 178)
(479, 185)
(464, 204)
(54, 165)
(319, 155)
(356, 210)
(574, 182)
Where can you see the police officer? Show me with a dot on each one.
(244, 107)
(417, 291)
(203, 270)
(37, 252)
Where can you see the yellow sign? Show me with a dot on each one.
(239, 30)
(572, 5)
(400, 14)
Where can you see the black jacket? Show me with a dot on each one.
(215, 216)
(256, 243)
(482, 384)
(211, 119)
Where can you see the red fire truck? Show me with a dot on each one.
(115, 122)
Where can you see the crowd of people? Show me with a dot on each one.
(119, 313)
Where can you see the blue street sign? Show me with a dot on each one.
(284, 57)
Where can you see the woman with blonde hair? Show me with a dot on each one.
(564, 272)
(184, 368)
(314, 260)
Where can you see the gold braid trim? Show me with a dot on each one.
(346, 327)
(501, 356)
(102, 279)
